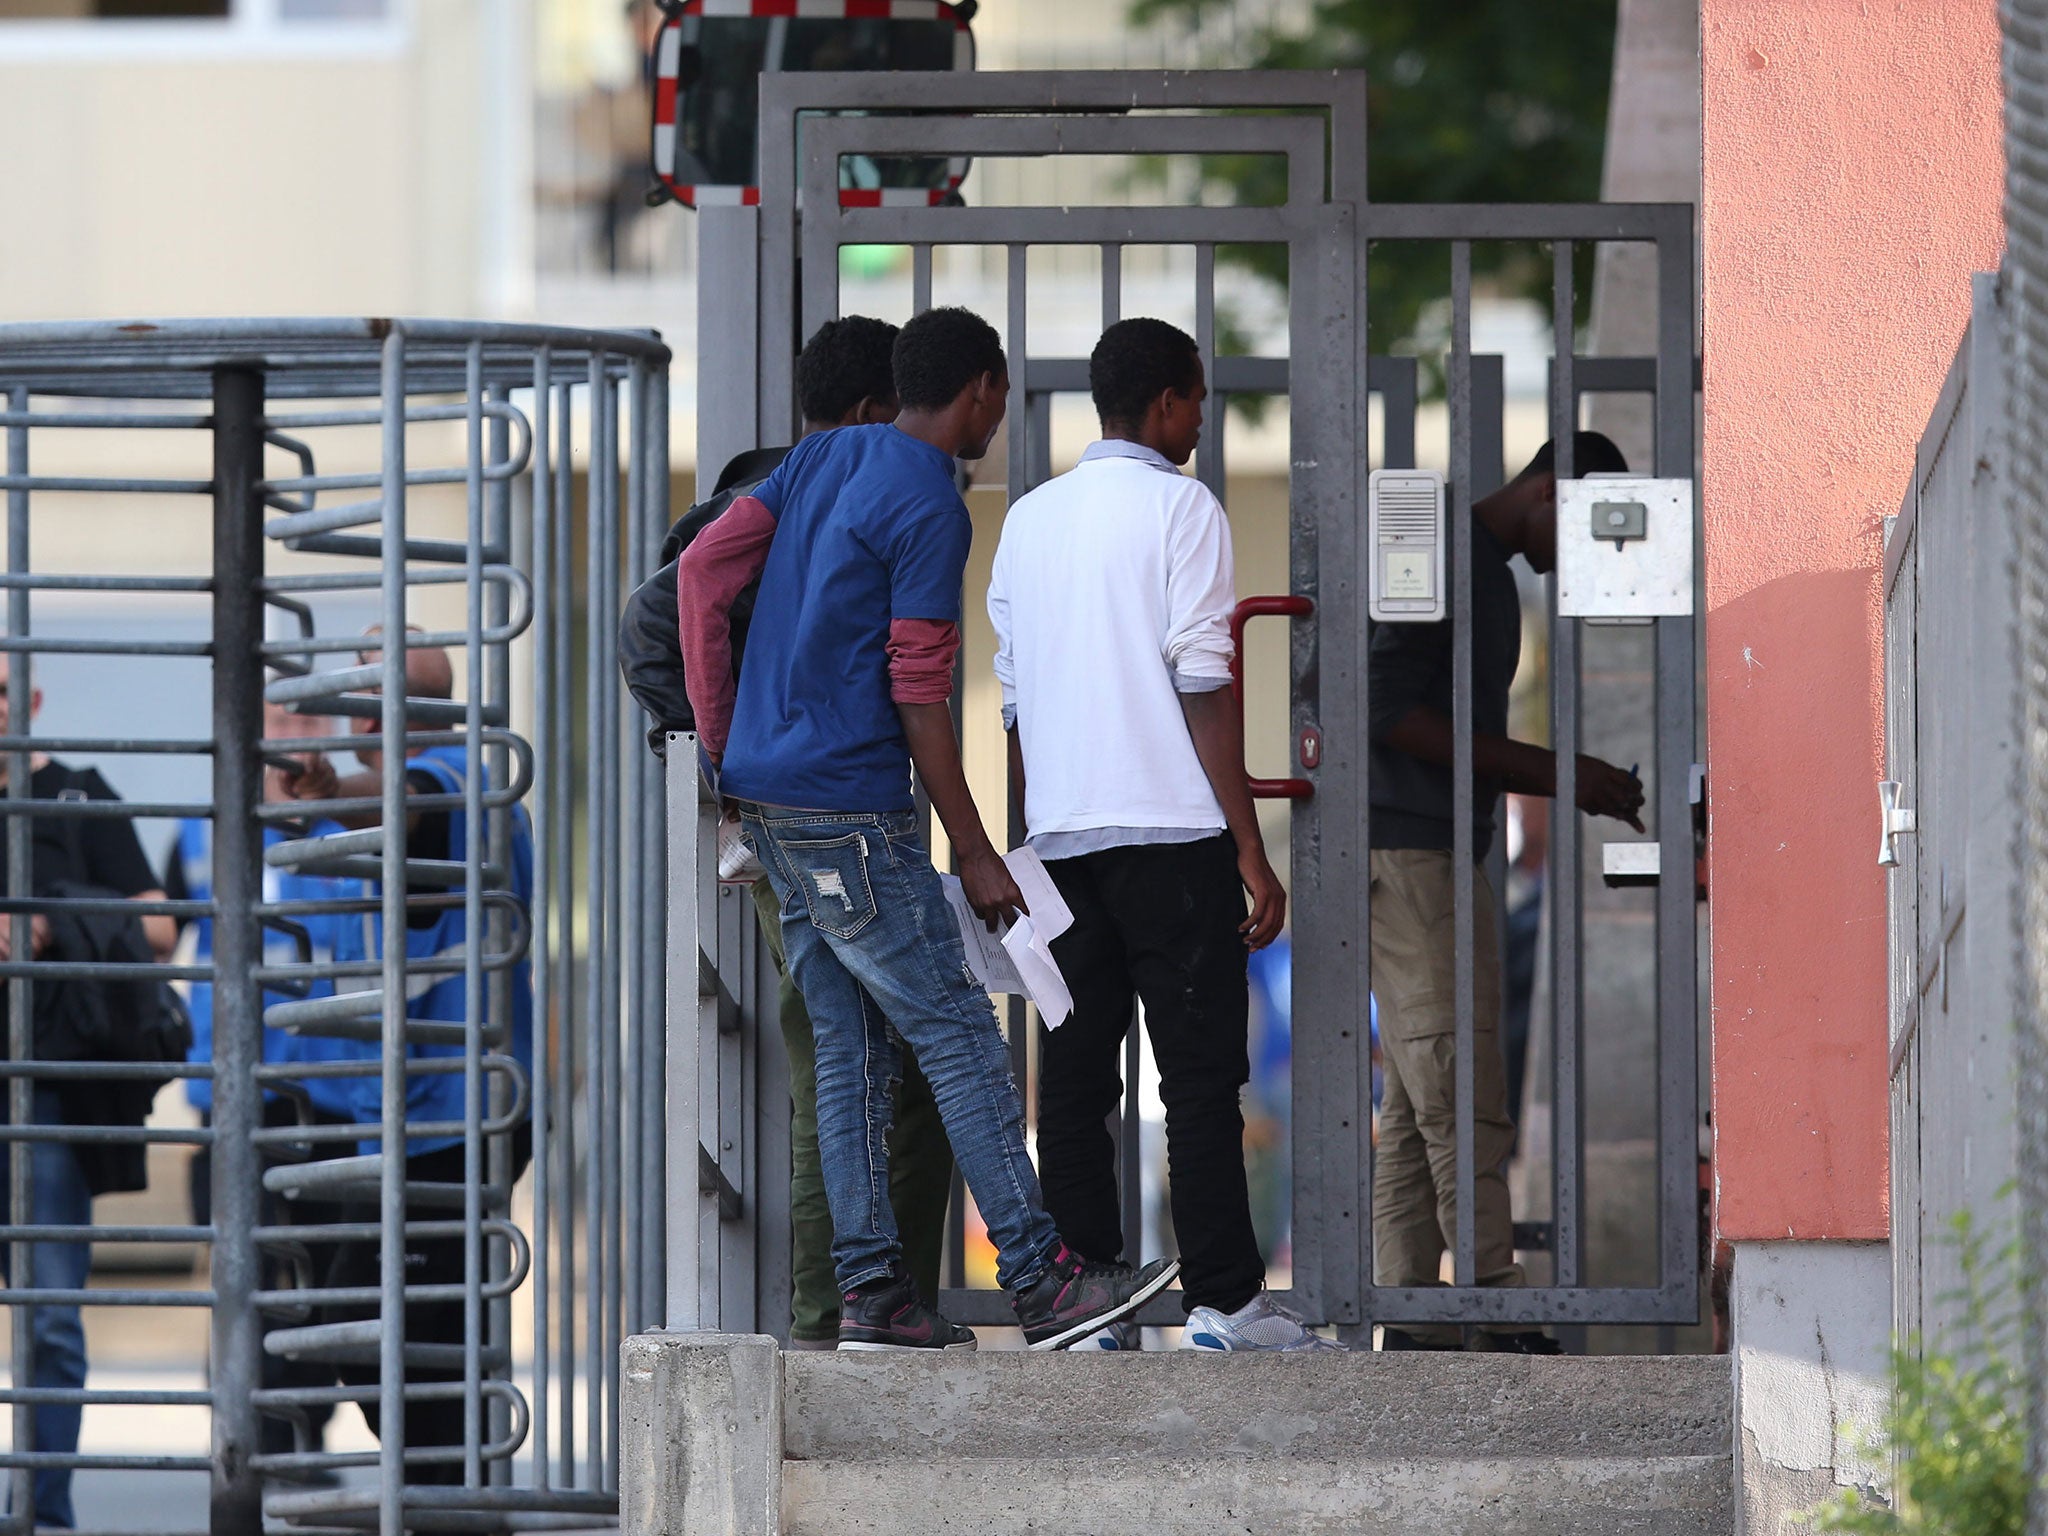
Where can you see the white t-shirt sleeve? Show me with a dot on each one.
(1201, 590)
(999, 617)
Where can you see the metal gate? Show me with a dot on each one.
(429, 477)
(1952, 744)
(769, 276)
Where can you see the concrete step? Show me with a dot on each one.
(854, 1407)
(1218, 1495)
(724, 1432)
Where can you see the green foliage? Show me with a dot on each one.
(1477, 101)
(1957, 1427)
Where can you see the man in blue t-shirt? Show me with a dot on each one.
(859, 540)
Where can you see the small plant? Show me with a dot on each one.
(1956, 1432)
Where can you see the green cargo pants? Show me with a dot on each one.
(920, 1164)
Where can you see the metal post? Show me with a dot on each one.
(1568, 1139)
(20, 1004)
(1464, 1255)
(391, 1174)
(652, 1216)
(235, 1353)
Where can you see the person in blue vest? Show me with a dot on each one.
(436, 942)
(326, 1101)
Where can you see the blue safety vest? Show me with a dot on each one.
(195, 854)
(439, 1096)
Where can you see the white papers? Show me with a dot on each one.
(1019, 959)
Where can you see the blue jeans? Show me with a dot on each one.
(58, 1196)
(875, 950)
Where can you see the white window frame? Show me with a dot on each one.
(252, 29)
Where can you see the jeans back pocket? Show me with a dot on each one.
(834, 876)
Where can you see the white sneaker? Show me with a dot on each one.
(1260, 1324)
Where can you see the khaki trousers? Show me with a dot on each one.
(1415, 1166)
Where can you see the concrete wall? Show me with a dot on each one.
(1852, 179)
(1812, 1376)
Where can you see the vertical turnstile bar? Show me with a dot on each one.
(473, 927)
(1112, 285)
(1567, 1087)
(235, 1351)
(544, 877)
(920, 278)
(391, 1193)
(1464, 1257)
(20, 1006)
(498, 1166)
(595, 1003)
(604, 469)
(563, 785)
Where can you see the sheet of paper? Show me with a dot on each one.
(1043, 983)
(986, 957)
(1019, 960)
(1050, 914)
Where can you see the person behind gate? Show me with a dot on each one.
(1111, 599)
(860, 541)
(319, 1100)
(436, 931)
(842, 380)
(1414, 965)
(73, 856)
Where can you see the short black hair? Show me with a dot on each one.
(1593, 453)
(1136, 362)
(940, 353)
(845, 363)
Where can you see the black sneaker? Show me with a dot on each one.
(1400, 1338)
(890, 1315)
(1072, 1299)
(1533, 1341)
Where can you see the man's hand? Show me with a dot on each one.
(1605, 790)
(39, 936)
(1269, 899)
(315, 779)
(991, 889)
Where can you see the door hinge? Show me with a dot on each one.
(1894, 821)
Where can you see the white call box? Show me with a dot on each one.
(1624, 548)
(1405, 527)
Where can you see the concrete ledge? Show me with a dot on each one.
(1352, 1408)
(1211, 1497)
(700, 1435)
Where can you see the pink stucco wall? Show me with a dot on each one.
(1851, 185)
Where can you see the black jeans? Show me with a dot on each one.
(1156, 922)
(436, 1423)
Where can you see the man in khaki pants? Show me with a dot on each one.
(1415, 1168)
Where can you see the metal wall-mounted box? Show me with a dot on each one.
(1405, 526)
(1624, 548)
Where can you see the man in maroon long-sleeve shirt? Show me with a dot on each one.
(860, 541)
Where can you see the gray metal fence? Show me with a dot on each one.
(2026, 213)
(481, 491)
(1952, 768)
(776, 276)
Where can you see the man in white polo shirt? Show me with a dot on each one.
(1111, 599)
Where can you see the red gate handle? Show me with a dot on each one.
(1292, 607)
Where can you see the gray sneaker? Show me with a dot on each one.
(1260, 1324)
